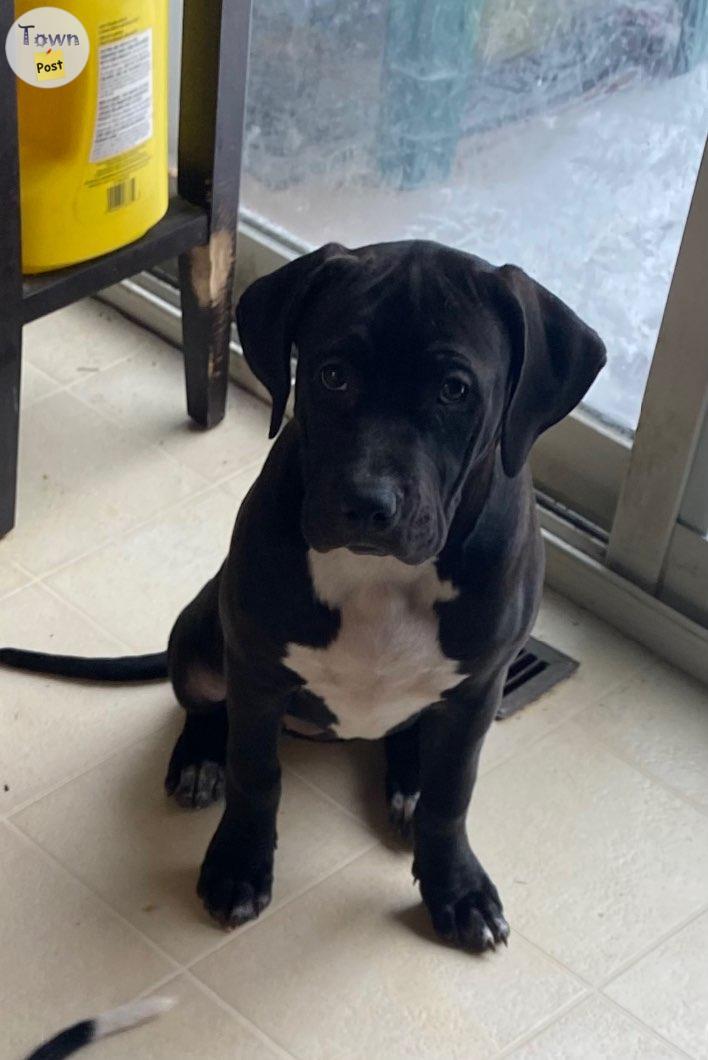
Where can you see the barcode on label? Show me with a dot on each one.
(122, 194)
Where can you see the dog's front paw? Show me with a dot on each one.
(470, 914)
(235, 890)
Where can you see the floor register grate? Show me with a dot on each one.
(535, 670)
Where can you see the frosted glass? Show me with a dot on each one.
(562, 135)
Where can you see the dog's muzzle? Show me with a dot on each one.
(374, 520)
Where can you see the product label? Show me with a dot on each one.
(120, 179)
(47, 47)
(125, 105)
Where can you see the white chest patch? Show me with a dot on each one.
(385, 663)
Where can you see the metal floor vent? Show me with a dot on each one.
(536, 669)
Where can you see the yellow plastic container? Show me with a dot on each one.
(93, 152)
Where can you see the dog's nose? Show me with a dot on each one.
(371, 509)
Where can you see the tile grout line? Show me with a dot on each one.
(114, 538)
(333, 802)
(79, 610)
(159, 447)
(183, 973)
(187, 969)
(592, 989)
(544, 1024)
(178, 968)
(586, 983)
(530, 743)
(636, 958)
(33, 799)
(31, 580)
(598, 989)
(627, 760)
(164, 980)
(47, 857)
(640, 1023)
(63, 386)
(244, 928)
(535, 740)
(484, 772)
(115, 422)
(561, 1013)
(362, 823)
(242, 1018)
(205, 484)
(55, 387)
(273, 910)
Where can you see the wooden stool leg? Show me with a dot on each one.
(212, 104)
(10, 285)
(206, 330)
(9, 423)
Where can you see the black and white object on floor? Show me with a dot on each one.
(70, 1040)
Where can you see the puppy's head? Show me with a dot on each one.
(414, 362)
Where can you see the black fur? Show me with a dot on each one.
(424, 377)
(67, 1042)
(127, 668)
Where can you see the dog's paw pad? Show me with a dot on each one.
(198, 785)
(233, 902)
(401, 809)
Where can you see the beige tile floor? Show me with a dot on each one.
(591, 812)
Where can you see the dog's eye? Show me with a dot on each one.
(453, 390)
(333, 377)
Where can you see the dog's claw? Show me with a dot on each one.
(473, 920)
(199, 785)
(401, 811)
(501, 930)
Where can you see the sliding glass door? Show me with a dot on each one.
(565, 136)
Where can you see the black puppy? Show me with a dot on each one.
(386, 566)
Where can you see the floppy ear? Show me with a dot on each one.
(267, 316)
(555, 359)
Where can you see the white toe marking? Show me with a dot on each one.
(409, 807)
(397, 802)
(130, 1015)
(502, 926)
(244, 911)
